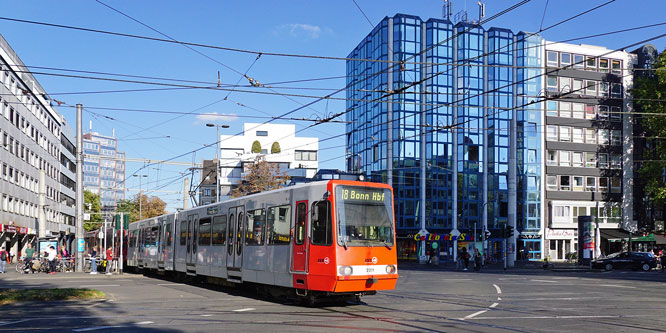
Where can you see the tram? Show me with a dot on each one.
(313, 240)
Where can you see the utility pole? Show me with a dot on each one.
(217, 157)
(79, 190)
(186, 191)
(122, 236)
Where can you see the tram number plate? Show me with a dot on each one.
(370, 270)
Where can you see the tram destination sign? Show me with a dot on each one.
(358, 194)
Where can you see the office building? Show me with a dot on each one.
(103, 169)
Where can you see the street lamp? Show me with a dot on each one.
(217, 156)
(140, 176)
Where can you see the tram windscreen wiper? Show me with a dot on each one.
(387, 245)
(344, 243)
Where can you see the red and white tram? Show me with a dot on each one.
(327, 238)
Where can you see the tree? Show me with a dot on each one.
(92, 205)
(649, 93)
(275, 148)
(150, 207)
(261, 176)
(256, 147)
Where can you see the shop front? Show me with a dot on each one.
(14, 238)
(437, 244)
(561, 244)
(529, 247)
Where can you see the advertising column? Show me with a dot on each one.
(586, 237)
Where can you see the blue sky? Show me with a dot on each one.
(327, 28)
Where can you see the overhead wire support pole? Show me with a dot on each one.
(79, 189)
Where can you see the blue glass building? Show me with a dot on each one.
(437, 99)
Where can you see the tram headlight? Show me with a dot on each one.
(390, 269)
(345, 270)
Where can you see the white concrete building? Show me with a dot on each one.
(298, 156)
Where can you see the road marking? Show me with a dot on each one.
(562, 317)
(475, 314)
(206, 315)
(499, 298)
(144, 323)
(617, 286)
(499, 291)
(5, 323)
(549, 281)
(96, 328)
(243, 310)
(170, 284)
(99, 285)
(494, 305)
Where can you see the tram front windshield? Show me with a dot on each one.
(364, 216)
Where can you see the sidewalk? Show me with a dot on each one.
(531, 266)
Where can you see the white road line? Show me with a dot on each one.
(475, 314)
(243, 310)
(95, 328)
(617, 286)
(494, 305)
(499, 291)
(170, 284)
(144, 323)
(499, 298)
(206, 315)
(98, 285)
(549, 281)
(5, 323)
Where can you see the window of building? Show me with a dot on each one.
(565, 183)
(565, 109)
(305, 155)
(616, 161)
(578, 110)
(590, 111)
(565, 84)
(603, 160)
(207, 192)
(616, 113)
(616, 66)
(590, 160)
(552, 58)
(551, 157)
(616, 89)
(262, 133)
(551, 183)
(578, 184)
(579, 61)
(551, 133)
(590, 184)
(565, 133)
(604, 136)
(590, 87)
(562, 211)
(604, 89)
(578, 159)
(603, 111)
(565, 59)
(603, 184)
(603, 65)
(551, 83)
(578, 86)
(551, 108)
(616, 137)
(615, 184)
(565, 158)
(578, 135)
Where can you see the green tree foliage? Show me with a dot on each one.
(261, 176)
(92, 205)
(650, 92)
(275, 148)
(256, 147)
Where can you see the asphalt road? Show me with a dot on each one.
(425, 300)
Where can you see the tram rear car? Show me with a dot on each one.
(317, 239)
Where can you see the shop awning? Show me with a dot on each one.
(614, 235)
(660, 239)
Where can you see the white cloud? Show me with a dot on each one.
(301, 30)
(216, 117)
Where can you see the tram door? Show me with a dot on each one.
(300, 241)
(235, 237)
(192, 223)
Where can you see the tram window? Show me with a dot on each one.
(183, 232)
(230, 238)
(169, 239)
(219, 229)
(321, 224)
(239, 234)
(151, 240)
(278, 225)
(255, 227)
(301, 217)
(204, 231)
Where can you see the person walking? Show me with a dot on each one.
(109, 260)
(477, 260)
(4, 258)
(51, 254)
(465, 256)
(93, 260)
(29, 253)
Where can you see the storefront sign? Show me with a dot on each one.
(559, 233)
(521, 236)
(446, 237)
(8, 228)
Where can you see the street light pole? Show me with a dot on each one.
(217, 158)
(140, 199)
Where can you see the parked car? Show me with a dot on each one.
(624, 260)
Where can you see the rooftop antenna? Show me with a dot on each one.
(482, 10)
(446, 9)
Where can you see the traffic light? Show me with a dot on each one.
(508, 231)
(125, 222)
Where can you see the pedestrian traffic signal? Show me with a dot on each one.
(508, 232)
